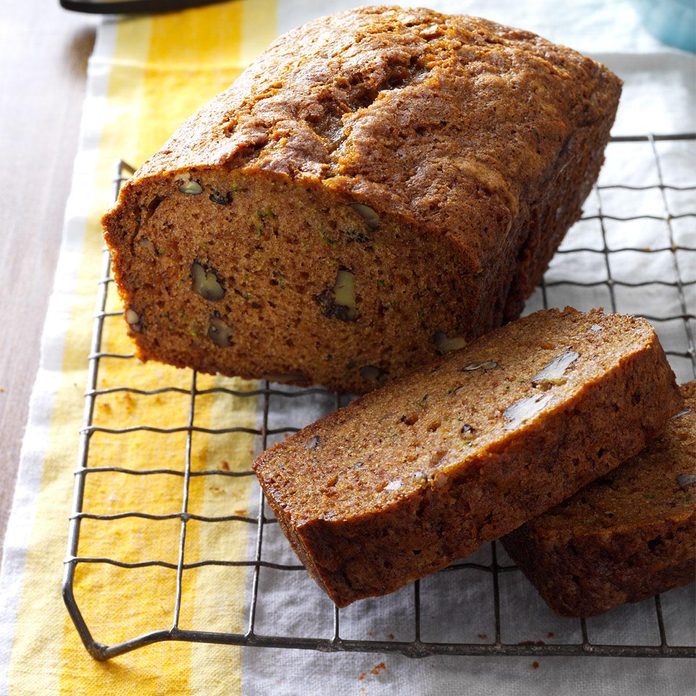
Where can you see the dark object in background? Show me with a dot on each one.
(131, 6)
(670, 21)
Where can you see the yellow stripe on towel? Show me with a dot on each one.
(163, 69)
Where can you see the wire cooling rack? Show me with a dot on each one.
(421, 640)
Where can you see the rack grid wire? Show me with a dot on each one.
(254, 595)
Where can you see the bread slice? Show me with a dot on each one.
(380, 186)
(419, 473)
(627, 536)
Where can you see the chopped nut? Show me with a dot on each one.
(345, 289)
(445, 344)
(133, 319)
(394, 485)
(312, 443)
(686, 480)
(554, 371)
(221, 198)
(368, 214)
(371, 373)
(525, 409)
(219, 332)
(206, 283)
(191, 187)
(485, 366)
(339, 302)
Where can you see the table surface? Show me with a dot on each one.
(43, 53)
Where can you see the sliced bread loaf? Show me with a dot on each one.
(421, 472)
(627, 536)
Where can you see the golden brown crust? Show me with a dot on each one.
(625, 537)
(412, 109)
(421, 472)
(461, 134)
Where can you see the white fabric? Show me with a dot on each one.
(457, 606)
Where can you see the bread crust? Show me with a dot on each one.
(623, 538)
(395, 486)
(483, 138)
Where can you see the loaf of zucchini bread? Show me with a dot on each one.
(414, 475)
(627, 536)
(380, 186)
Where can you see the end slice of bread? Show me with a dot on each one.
(628, 535)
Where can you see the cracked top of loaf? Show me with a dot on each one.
(438, 117)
